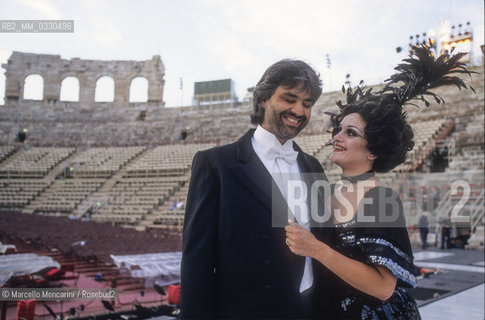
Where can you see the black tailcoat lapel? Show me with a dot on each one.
(251, 171)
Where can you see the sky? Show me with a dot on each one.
(202, 40)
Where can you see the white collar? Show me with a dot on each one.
(267, 140)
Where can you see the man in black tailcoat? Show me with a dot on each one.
(235, 263)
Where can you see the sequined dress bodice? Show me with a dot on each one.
(375, 245)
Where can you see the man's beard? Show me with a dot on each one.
(280, 129)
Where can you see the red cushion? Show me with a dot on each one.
(173, 294)
(26, 309)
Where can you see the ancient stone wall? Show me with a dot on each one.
(53, 70)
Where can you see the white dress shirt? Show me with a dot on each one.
(265, 144)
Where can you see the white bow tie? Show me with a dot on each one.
(287, 154)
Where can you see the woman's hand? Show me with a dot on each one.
(376, 281)
(301, 241)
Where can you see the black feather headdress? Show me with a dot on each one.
(416, 76)
(422, 72)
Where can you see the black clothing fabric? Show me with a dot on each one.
(234, 263)
(375, 245)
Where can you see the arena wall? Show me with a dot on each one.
(53, 70)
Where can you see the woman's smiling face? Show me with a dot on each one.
(350, 146)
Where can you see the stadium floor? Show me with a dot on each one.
(457, 290)
(468, 304)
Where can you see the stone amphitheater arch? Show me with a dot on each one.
(103, 84)
(70, 89)
(53, 69)
(137, 84)
(33, 88)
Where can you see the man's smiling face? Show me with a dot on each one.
(287, 112)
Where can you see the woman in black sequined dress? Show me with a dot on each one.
(368, 253)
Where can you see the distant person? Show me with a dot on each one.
(235, 265)
(179, 205)
(423, 229)
(463, 235)
(370, 256)
(432, 199)
(435, 196)
(445, 226)
(459, 235)
(173, 205)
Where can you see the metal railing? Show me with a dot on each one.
(476, 208)
(477, 211)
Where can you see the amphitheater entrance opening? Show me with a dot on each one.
(34, 87)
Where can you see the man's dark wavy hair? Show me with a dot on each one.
(389, 136)
(288, 73)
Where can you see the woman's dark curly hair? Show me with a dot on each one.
(288, 73)
(388, 134)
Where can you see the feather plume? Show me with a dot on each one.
(416, 76)
(421, 72)
(353, 96)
